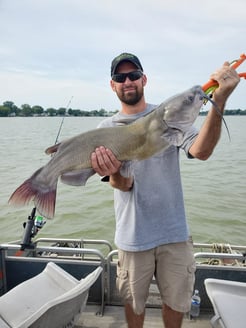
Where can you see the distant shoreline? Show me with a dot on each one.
(9, 109)
(204, 113)
(95, 113)
(227, 112)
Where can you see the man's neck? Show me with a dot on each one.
(133, 109)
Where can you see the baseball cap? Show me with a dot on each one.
(125, 57)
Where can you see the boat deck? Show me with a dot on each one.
(227, 262)
(114, 318)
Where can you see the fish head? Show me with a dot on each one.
(181, 110)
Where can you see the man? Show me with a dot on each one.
(151, 229)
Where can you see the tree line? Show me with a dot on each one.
(9, 109)
(230, 112)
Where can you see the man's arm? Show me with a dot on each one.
(105, 163)
(209, 133)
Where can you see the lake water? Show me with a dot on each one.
(215, 190)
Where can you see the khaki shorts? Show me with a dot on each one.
(173, 266)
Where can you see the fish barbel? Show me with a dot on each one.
(144, 137)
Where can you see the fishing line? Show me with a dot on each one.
(216, 107)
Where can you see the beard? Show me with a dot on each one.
(130, 97)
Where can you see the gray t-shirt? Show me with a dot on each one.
(152, 213)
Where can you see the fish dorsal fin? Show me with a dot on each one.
(52, 149)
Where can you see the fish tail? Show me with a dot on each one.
(44, 197)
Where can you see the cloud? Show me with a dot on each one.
(52, 49)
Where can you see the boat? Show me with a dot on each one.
(23, 260)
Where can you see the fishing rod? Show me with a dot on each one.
(32, 226)
(59, 131)
(36, 222)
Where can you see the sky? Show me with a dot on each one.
(54, 51)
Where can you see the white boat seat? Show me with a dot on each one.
(229, 302)
(52, 299)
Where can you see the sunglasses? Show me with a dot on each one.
(121, 77)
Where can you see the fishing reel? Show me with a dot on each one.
(32, 226)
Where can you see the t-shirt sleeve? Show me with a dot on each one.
(188, 141)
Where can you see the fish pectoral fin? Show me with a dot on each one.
(52, 149)
(173, 137)
(77, 178)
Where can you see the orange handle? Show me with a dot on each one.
(239, 61)
(235, 64)
(242, 74)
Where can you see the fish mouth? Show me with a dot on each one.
(207, 98)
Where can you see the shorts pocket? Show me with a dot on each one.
(121, 273)
(122, 284)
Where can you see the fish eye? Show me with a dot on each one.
(189, 99)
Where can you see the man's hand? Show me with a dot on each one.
(227, 79)
(104, 162)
